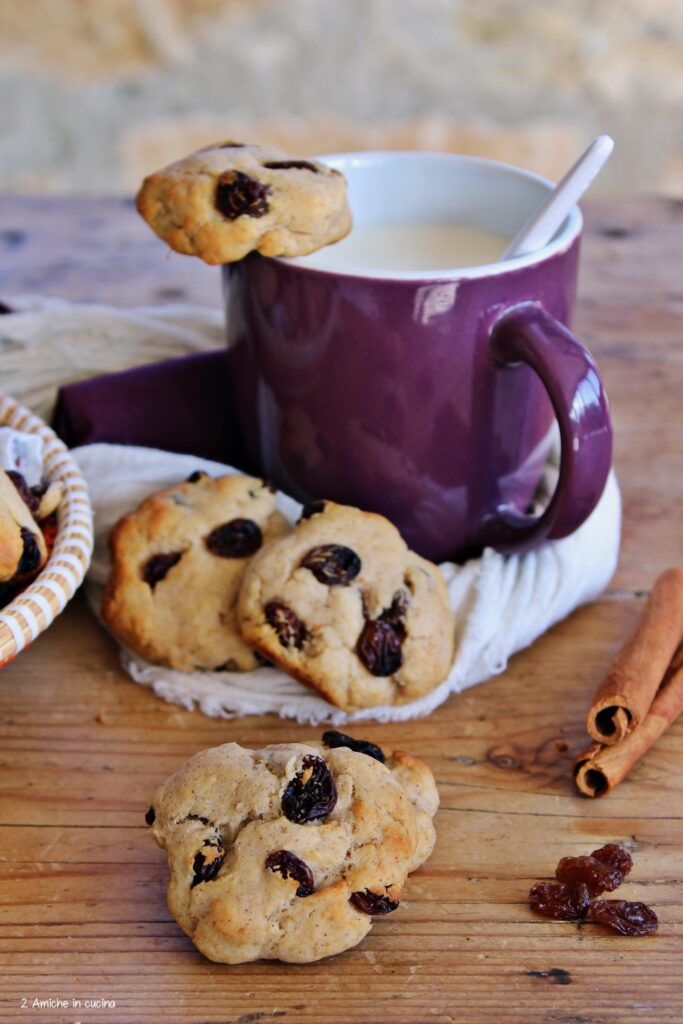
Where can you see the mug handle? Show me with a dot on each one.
(526, 333)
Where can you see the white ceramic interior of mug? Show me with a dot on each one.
(419, 187)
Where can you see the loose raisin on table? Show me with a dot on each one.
(332, 738)
(332, 564)
(291, 866)
(602, 871)
(27, 494)
(616, 857)
(624, 917)
(150, 816)
(30, 558)
(285, 165)
(207, 862)
(372, 902)
(238, 538)
(311, 794)
(237, 194)
(597, 877)
(158, 566)
(560, 901)
(290, 630)
(379, 647)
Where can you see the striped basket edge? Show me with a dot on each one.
(33, 610)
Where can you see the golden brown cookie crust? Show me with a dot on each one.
(186, 619)
(23, 551)
(227, 805)
(225, 201)
(331, 618)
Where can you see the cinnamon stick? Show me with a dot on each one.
(626, 693)
(600, 768)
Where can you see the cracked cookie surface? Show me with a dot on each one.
(177, 565)
(343, 605)
(228, 200)
(248, 882)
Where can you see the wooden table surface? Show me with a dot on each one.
(82, 910)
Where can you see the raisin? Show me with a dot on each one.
(28, 496)
(603, 871)
(290, 630)
(372, 902)
(239, 538)
(158, 566)
(332, 738)
(624, 917)
(196, 817)
(561, 902)
(237, 194)
(332, 564)
(30, 558)
(395, 613)
(286, 165)
(4, 308)
(312, 508)
(379, 647)
(311, 794)
(207, 862)
(291, 866)
(615, 857)
(596, 877)
(195, 477)
(150, 816)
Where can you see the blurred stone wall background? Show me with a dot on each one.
(95, 93)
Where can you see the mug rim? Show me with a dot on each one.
(560, 244)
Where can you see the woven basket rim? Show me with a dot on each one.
(38, 605)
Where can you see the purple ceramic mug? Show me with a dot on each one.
(427, 395)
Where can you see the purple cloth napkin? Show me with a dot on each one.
(179, 405)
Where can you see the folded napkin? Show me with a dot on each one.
(501, 604)
(180, 405)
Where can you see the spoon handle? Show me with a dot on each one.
(544, 222)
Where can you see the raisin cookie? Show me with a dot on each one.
(343, 605)
(228, 200)
(177, 565)
(23, 551)
(289, 852)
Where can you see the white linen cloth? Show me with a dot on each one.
(49, 342)
(502, 604)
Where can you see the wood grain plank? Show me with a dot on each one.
(82, 748)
